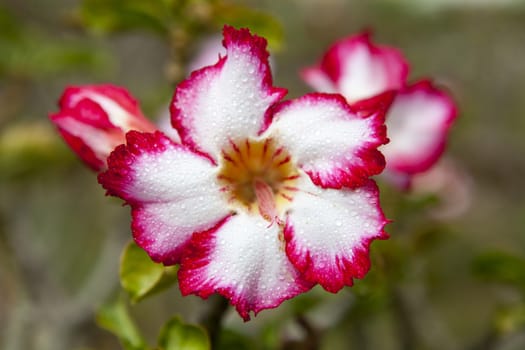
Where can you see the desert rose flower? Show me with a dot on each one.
(94, 119)
(420, 116)
(262, 199)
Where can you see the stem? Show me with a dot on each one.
(311, 341)
(212, 320)
(405, 327)
(358, 336)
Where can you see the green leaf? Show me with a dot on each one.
(501, 267)
(258, 22)
(510, 319)
(114, 317)
(105, 16)
(141, 277)
(176, 335)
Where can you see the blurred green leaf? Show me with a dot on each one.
(9, 28)
(230, 339)
(176, 335)
(258, 22)
(28, 148)
(140, 276)
(510, 319)
(106, 16)
(501, 267)
(46, 56)
(115, 318)
(271, 336)
(31, 53)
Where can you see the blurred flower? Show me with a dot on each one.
(261, 200)
(419, 117)
(358, 69)
(93, 120)
(451, 184)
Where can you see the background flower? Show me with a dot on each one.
(420, 115)
(453, 283)
(93, 120)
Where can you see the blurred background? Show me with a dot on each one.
(452, 275)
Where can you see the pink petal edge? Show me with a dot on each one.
(333, 61)
(343, 270)
(188, 91)
(192, 280)
(119, 180)
(367, 160)
(425, 161)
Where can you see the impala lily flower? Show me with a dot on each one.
(419, 117)
(261, 200)
(93, 120)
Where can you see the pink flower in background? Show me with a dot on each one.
(419, 117)
(94, 119)
(261, 199)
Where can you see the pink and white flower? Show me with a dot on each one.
(262, 199)
(94, 119)
(420, 116)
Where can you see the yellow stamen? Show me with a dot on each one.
(258, 177)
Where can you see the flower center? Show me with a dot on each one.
(258, 176)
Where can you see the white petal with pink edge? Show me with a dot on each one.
(417, 125)
(121, 108)
(228, 100)
(100, 141)
(172, 191)
(359, 69)
(328, 140)
(328, 232)
(243, 259)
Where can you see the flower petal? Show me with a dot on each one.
(358, 69)
(88, 132)
(244, 260)
(417, 123)
(172, 192)
(330, 142)
(379, 103)
(93, 120)
(121, 108)
(328, 232)
(228, 100)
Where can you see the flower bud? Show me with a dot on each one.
(94, 119)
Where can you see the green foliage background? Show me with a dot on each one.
(455, 283)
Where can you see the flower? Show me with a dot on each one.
(420, 114)
(262, 199)
(94, 119)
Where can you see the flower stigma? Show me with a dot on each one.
(259, 177)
